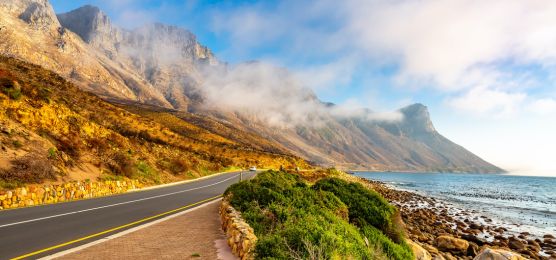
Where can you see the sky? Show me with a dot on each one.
(485, 69)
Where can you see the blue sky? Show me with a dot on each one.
(485, 69)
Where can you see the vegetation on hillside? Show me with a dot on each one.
(332, 219)
(50, 128)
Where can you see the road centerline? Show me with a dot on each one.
(116, 204)
(113, 229)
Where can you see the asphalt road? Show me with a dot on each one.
(29, 230)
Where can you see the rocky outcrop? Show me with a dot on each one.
(452, 244)
(38, 13)
(240, 236)
(93, 26)
(167, 57)
(31, 32)
(498, 254)
(419, 252)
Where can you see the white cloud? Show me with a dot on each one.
(275, 96)
(262, 90)
(543, 106)
(132, 18)
(444, 40)
(487, 101)
(454, 46)
(329, 75)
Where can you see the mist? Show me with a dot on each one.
(276, 96)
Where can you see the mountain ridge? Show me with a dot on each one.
(165, 66)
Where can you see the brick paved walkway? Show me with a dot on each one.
(194, 235)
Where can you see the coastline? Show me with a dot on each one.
(423, 171)
(427, 218)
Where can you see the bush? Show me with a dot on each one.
(121, 164)
(17, 144)
(146, 172)
(52, 153)
(71, 145)
(11, 88)
(391, 249)
(293, 220)
(30, 168)
(176, 166)
(366, 207)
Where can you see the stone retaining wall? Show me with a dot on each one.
(46, 194)
(240, 236)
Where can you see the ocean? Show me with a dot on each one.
(519, 203)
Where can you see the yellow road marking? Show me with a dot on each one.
(114, 229)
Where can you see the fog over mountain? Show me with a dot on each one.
(165, 66)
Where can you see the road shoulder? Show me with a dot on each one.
(192, 234)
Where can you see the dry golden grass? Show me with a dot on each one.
(148, 144)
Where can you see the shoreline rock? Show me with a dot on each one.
(428, 219)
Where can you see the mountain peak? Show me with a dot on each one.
(38, 13)
(417, 118)
(89, 22)
(90, 8)
(415, 108)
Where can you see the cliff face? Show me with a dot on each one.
(165, 66)
(167, 57)
(92, 25)
(31, 32)
(38, 13)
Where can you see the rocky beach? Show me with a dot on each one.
(454, 233)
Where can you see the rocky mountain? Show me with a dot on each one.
(31, 31)
(356, 143)
(165, 67)
(167, 57)
(52, 130)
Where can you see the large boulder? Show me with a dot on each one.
(451, 244)
(419, 252)
(498, 254)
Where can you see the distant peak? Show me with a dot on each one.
(90, 9)
(415, 107)
(87, 11)
(38, 13)
(87, 21)
(417, 115)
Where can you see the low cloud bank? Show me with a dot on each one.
(275, 96)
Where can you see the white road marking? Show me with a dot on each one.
(116, 204)
(131, 230)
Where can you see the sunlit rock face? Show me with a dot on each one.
(38, 13)
(167, 57)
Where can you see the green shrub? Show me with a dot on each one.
(293, 220)
(366, 207)
(12, 89)
(391, 249)
(146, 172)
(17, 144)
(52, 153)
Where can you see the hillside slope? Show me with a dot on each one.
(165, 68)
(52, 130)
(356, 143)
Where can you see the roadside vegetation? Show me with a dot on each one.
(330, 219)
